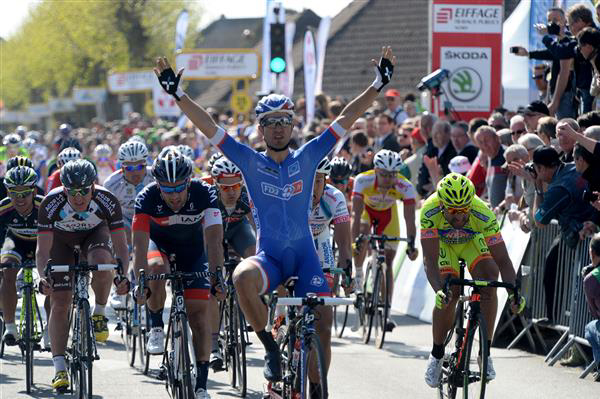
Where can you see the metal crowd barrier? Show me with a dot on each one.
(570, 308)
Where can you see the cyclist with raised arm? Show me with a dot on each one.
(18, 233)
(279, 183)
(177, 215)
(457, 224)
(125, 184)
(82, 214)
(374, 200)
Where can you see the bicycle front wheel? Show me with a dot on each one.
(314, 358)
(143, 338)
(240, 350)
(382, 312)
(27, 338)
(85, 352)
(371, 300)
(475, 361)
(184, 368)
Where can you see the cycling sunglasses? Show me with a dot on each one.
(78, 191)
(134, 168)
(20, 194)
(103, 159)
(386, 175)
(276, 121)
(339, 181)
(230, 187)
(458, 211)
(177, 189)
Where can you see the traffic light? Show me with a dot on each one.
(278, 48)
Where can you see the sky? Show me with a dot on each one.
(13, 12)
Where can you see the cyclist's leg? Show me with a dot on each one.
(253, 277)
(157, 263)
(482, 266)
(359, 258)
(391, 229)
(443, 318)
(97, 248)
(8, 287)
(243, 239)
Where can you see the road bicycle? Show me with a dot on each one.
(31, 327)
(82, 350)
(466, 367)
(300, 344)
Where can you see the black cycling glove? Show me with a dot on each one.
(170, 83)
(383, 73)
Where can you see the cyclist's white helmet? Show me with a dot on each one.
(324, 166)
(132, 151)
(11, 139)
(387, 160)
(103, 151)
(187, 151)
(223, 167)
(68, 154)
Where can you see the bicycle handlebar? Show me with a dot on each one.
(82, 268)
(177, 275)
(314, 301)
(482, 284)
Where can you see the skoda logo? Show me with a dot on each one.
(465, 84)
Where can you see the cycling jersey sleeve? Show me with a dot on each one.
(321, 145)
(486, 222)
(428, 227)
(555, 200)
(111, 207)
(360, 183)
(141, 216)
(341, 214)
(212, 216)
(238, 153)
(407, 190)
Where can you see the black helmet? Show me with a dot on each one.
(70, 142)
(78, 174)
(340, 168)
(171, 166)
(19, 160)
(20, 176)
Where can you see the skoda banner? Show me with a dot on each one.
(466, 40)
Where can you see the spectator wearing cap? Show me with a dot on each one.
(533, 113)
(393, 102)
(495, 179)
(386, 134)
(565, 141)
(461, 141)
(415, 160)
(563, 200)
(546, 129)
(517, 127)
(591, 288)
(459, 164)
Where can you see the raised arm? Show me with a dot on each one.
(357, 107)
(195, 113)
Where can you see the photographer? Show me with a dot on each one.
(563, 200)
(562, 87)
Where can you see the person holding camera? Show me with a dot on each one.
(563, 201)
(562, 85)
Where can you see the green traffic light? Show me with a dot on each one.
(277, 65)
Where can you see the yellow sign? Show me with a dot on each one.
(241, 102)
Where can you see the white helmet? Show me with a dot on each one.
(138, 138)
(324, 166)
(223, 167)
(12, 139)
(103, 151)
(29, 144)
(387, 160)
(68, 154)
(132, 151)
(187, 151)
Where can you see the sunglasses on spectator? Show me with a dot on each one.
(519, 132)
(177, 189)
(457, 211)
(339, 181)
(133, 168)
(20, 194)
(230, 187)
(276, 121)
(79, 191)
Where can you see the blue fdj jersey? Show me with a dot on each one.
(182, 228)
(281, 194)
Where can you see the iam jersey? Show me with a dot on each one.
(281, 193)
(17, 226)
(176, 229)
(126, 192)
(56, 214)
(238, 214)
(331, 209)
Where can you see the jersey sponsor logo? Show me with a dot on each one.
(285, 193)
(493, 240)
(428, 233)
(184, 219)
(294, 169)
(75, 225)
(457, 236)
(213, 194)
(426, 223)
(316, 281)
(23, 231)
(106, 202)
(53, 205)
(480, 215)
(267, 170)
(433, 211)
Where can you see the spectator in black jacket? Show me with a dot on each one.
(435, 166)
(461, 141)
(386, 139)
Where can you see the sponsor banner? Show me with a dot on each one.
(469, 82)
(89, 95)
(467, 18)
(61, 105)
(163, 104)
(39, 110)
(131, 81)
(214, 64)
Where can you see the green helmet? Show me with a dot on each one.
(20, 176)
(455, 191)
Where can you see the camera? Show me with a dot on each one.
(589, 196)
(434, 80)
(553, 28)
(514, 50)
(531, 169)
